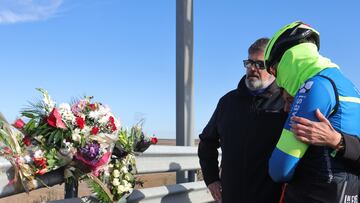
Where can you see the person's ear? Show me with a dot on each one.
(272, 71)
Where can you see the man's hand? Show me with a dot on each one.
(316, 133)
(215, 190)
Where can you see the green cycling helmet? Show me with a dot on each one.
(287, 37)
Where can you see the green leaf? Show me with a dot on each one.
(50, 139)
(58, 137)
(100, 194)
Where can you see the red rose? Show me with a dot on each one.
(80, 122)
(40, 162)
(111, 119)
(112, 124)
(154, 140)
(54, 119)
(27, 141)
(92, 107)
(41, 171)
(19, 124)
(94, 131)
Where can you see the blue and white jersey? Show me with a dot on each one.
(294, 157)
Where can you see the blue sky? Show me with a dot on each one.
(123, 51)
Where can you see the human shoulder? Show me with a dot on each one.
(317, 85)
(229, 95)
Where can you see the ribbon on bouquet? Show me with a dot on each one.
(13, 152)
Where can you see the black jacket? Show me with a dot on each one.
(247, 128)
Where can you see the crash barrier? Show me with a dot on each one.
(157, 159)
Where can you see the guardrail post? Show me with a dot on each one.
(191, 176)
(71, 188)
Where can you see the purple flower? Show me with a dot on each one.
(91, 151)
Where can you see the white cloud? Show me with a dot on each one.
(14, 11)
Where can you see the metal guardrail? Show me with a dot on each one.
(167, 158)
(155, 160)
(7, 174)
(179, 193)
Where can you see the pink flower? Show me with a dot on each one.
(94, 165)
(27, 141)
(154, 140)
(94, 130)
(78, 107)
(80, 122)
(54, 119)
(19, 124)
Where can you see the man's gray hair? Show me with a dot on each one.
(258, 45)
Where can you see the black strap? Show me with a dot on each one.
(336, 107)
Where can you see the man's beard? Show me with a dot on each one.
(256, 83)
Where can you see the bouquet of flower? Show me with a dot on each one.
(118, 179)
(18, 157)
(83, 131)
(119, 176)
(79, 136)
(133, 140)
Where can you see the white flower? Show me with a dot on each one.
(116, 173)
(116, 182)
(124, 187)
(27, 158)
(124, 169)
(76, 135)
(103, 110)
(104, 120)
(121, 189)
(94, 114)
(66, 113)
(50, 104)
(126, 184)
(38, 154)
(86, 130)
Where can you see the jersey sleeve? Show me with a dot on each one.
(316, 93)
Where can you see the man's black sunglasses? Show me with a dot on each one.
(258, 64)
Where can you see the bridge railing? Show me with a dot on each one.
(157, 159)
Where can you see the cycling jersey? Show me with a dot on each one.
(317, 92)
(313, 175)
